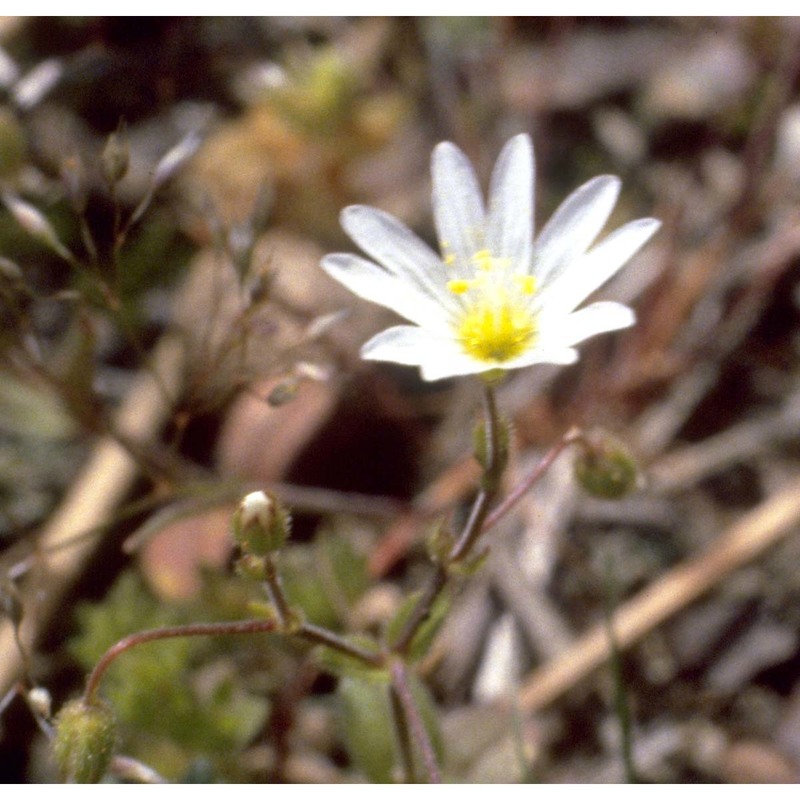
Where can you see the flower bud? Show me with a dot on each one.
(253, 567)
(115, 159)
(34, 223)
(40, 701)
(85, 737)
(261, 524)
(605, 468)
(480, 444)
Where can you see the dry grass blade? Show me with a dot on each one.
(746, 540)
(98, 490)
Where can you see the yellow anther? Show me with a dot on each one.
(449, 259)
(496, 332)
(484, 260)
(527, 283)
(458, 286)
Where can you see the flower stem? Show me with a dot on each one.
(572, 436)
(312, 633)
(403, 736)
(464, 544)
(490, 483)
(277, 595)
(410, 715)
(291, 623)
(142, 637)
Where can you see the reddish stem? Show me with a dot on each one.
(199, 629)
(518, 492)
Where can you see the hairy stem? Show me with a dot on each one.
(142, 637)
(410, 715)
(403, 736)
(465, 543)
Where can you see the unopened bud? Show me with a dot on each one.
(175, 158)
(35, 223)
(34, 85)
(480, 444)
(440, 543)
(115, 158)
(261, 524)
(253, 567)
(85, 737)
(41, 702)
(605, 468)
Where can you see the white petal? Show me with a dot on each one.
(589, 272)
(543, 355)
(393, 245)
(437, 356)
(587, 322)
(574, 226)
(372, 283)
(402, 344)
(457, 204)
(509, 227)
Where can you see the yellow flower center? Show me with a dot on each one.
(496, 323)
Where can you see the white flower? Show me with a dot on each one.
(495, 298)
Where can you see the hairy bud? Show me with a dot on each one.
(85, 737)
(261, 524)
(605, 468)
(480, 444)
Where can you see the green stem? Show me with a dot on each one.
(492, 471)
(290, 623)
(403, 736)
(278, 597)
(422, 610)
(490, 483)
(315, 635)
(621, 705)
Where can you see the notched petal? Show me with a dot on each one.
(509, 226)
(457, 203)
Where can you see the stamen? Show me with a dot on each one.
(459, 286)
(484, 260)
(526, 283)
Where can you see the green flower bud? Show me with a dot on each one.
(253, 567)
(34, 223)
(261, 524)
(440, 543)
(85, 737)
(605, 468)
(115, 159)
(480, 444)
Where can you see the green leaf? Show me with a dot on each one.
(426, 632)
(367, 728)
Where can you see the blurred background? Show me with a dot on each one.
(168, 342)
